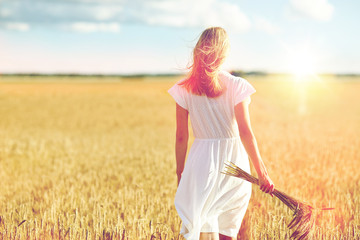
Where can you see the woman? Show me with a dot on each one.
(210, 203)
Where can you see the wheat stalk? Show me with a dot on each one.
(303, 220)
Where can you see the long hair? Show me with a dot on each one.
(208, 55)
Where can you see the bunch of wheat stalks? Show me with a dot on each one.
(303, 220)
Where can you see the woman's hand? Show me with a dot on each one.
(266, 184)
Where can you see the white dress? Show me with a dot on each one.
(206, 199)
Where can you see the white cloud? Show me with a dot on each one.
(99, 14)
(320, 10)
(88, 27)
(265, 25)
(231, 16)
(5, 12)
(201, 13)
(106, 13)
(17, 26)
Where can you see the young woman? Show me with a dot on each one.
(211, 204)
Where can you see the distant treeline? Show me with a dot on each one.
(88, 75)
(145, 75)
(142, 75)
(261, 73)
(252, 73)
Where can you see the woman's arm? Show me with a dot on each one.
(249, 141)
(182, 137)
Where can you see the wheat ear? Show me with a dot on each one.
(303, 221)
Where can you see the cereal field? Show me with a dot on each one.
(94, 158)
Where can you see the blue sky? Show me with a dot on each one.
(157, 36)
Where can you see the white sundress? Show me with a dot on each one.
(206, 199)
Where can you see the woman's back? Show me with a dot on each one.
(214, 118)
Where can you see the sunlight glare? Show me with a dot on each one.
(301, 62)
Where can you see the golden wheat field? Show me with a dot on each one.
(89, 158)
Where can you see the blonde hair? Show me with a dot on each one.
(208, 55)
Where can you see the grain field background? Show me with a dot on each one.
(88, 158)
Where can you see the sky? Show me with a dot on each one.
(157, 36)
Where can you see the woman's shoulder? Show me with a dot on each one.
(179, 85)
(230, 78)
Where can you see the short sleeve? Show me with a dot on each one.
(177, 93)
(242, 90)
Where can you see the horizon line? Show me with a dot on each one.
(159, 74)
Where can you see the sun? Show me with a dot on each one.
(301, 62)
